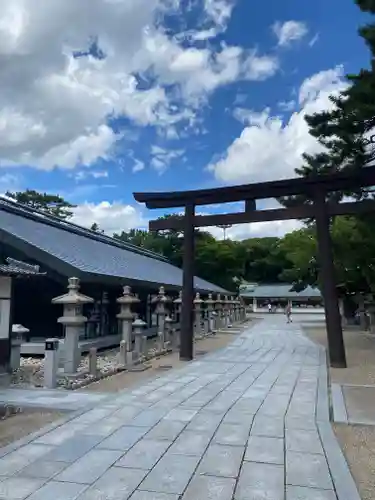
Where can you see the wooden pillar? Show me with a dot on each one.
(6, 289)
(336, 348)
(187, 320)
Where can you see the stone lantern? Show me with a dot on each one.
(140, 343)
(73, 321)
(237, 309)
(18, 334)
(218, 309)
(198, 313)
(126, 316)
(210, 309)
(225, 311)
(178, 304)
(243, 310)
(160, 301)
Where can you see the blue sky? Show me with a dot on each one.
(141, 95)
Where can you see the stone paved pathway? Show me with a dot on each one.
(249, 422)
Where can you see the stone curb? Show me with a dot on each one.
(343, 481)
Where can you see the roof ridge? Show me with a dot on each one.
(45, 218)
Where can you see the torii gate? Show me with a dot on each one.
(315, 187)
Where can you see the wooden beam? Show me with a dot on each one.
(340, 181)
(300, 212)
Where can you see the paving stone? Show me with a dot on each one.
(20, 458)
(124, 438)
(299, 493)
(300, 423)
(19, 488)
(171, 474)
(260, 482)
(210, 488)
(304, 441)
(191, 443)
(106, 427)
(58, 491)
(235, 416)
(73, 448)
(303, 469)
(248, 405)
(148, 418)
(90, 467)
(204, 421)
(144, 455)
(231, 434)
(181, 414)
(149, 495)
(43, 469)
(115, 484)
(166, 429)
(268, 426)
(269, 450)
(61, 434)
(220, 460)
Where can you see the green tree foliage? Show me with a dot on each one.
(49, 203)
(345, 135)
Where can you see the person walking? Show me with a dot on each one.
(269, 307)
(288, 312)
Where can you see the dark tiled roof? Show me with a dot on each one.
(16, 268)
(90, 254)
(278, 291)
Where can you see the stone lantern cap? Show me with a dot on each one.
(179, 298)
(138, 326)
(161, 297)
(209, 301)
(73, 296)
(218, 302)
(198, 301)
(127, 298)
(18, 331)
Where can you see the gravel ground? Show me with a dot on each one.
(24, 423)
(360, 353)
(357, 441)
(358, 444)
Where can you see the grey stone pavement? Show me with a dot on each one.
(54, 399)
(248, 422)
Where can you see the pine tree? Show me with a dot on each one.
(49, 203)
(346, 131)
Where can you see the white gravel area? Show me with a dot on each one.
(31, 371)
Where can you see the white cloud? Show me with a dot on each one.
(314, 40)
(95, 174)
(255, 230)
(112, 217)
(163, 157)
(289, 31)
(287, 105)
(54, 107)
(259, 67)
(270, 148)
(138, 166)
